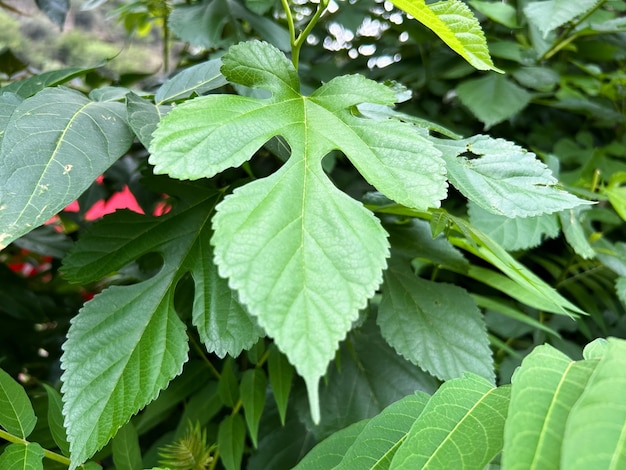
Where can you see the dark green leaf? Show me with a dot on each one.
(16, 412)
(143, 117)
(253, 389)
(55, 145)
(55, 420)
(230, 441)
(126, 452)
(228, 387)
(197, 79)
(281, 376)
(32, 85)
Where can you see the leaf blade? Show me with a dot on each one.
(16, 411)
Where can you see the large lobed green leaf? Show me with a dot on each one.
(303, 256)
(127, 343)
(55, 145)
(455, 24)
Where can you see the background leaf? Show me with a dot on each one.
(434, 325)
(197, 79)
(465, 435)
(253, 390)
(16, 412)
(126, 451)
(143, 117)
(550, 14)
(55, 420)
(77, 140)
(230, 441)
(281, 376)
(56, 10)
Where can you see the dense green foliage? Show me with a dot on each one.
(329, 263)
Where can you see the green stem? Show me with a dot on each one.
(297, 42)
(46, 453)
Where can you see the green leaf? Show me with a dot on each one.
(283, 241)
(514, 233)
(461, 427)
(281, 376)
(197, 79)
(228, 386)
(506, 179)
(143, 117)
(575, 233)
(455, 24)
(16, 412)
(56, 10)
(502, 13)
(377, 443)
(32, 85)
(492, 98)
(620, 288)
(8, 103)
(595, 430)
(550, 14)
(544, 389)
(55, 145)
(22, 457)
(55, 420)
(252, 390)
(230, 441)
(126, 452)
(616, 191)
(434, 325)
(128, 342)
(328, 453)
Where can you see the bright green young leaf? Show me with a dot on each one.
(230, 441)
(514, 233)
(548, 15)
(16, 412)
(55, 145)
(596, 349)
(22, 457)
(544, 389)
(456, 25)
(493, 98)
(436, 326)
(252, 391)
(506, 179)
(55, 420)
(381, 437)
(616, 191)
(283, 241)
(460, 427)
(197, 79)
(281, 376)
(126, 451)
(595, 430)
(328, 453)
(128, 342)
(143, 117)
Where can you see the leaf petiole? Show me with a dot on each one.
(297, 42)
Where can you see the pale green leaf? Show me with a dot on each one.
(143, 117)
(252, 390)
(514, 233)
(537, 78)
(197, 79)
(283, 241)
(596, 428)
(616, 192)
(8, 103)
(575, 233)
(55, 420)
(230, 441)
(281, 376)
(502, 13)
(544, 389)
(16, 412)
(383, 434)
(328, 453)
(492, 98)
(506, 179)
(455, 24)
(548, 15)
(126, 451)
(596, 349)
(434, 325)
(55, 145)
(460, 427)
(22, 457)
